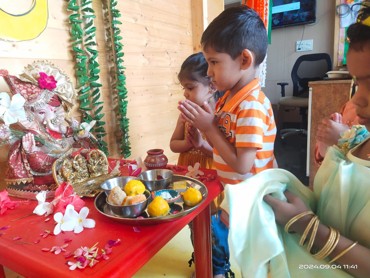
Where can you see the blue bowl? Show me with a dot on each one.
(170, 195)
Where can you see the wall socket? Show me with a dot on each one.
(305, 45)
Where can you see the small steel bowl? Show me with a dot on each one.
(131, 211)
(170, 195)
(156, 179)
(108, 185)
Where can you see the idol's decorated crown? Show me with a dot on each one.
(40, 83)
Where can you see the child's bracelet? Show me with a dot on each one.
(341, 254)
(295, 218)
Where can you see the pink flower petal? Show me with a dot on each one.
(46, 81)
(78, 252)
(112, 242)
(72, 265)
(68, 254)
(5, 202)
(108, 250)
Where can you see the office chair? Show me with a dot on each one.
(309, 67)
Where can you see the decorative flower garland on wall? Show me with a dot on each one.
(87, 67)
(117, 70)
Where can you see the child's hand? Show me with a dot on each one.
(201, 118)
(336, 117)
(195, 138)
(329, 131)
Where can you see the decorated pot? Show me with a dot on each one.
(155, 159)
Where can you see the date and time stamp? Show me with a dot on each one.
(327, 266)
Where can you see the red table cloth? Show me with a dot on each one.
(21, 241)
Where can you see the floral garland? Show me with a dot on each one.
(87, 67)
(352, 137)
(117, 70)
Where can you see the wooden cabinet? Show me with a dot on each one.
(326, 97)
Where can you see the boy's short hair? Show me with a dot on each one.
(236, 29)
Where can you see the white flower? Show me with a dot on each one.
(75, 265)
(58, 217)
(43, 207)
(65, 222)
(12, 110)
(349, 134)
(82, 221)
(140, 164)
(72, 220)
(352, 137)
(194, 172)
(85, 129)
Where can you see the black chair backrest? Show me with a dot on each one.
(309, 67)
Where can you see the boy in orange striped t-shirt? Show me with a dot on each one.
(235, 44)
(243, 131)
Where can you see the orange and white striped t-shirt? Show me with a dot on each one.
(247, 121)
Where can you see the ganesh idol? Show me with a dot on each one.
(46, 132)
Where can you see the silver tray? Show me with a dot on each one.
(178, 209)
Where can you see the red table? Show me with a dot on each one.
(138, 244)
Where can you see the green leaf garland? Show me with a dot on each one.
(87, 68)
(117, 70)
